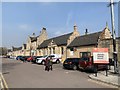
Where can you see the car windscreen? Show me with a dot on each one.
(86, 59)
(72, 59)
(38, 56)
(44, 56)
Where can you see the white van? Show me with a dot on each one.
(56, 58)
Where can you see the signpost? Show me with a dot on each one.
(100, 56)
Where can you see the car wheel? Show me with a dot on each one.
(57, 61)
(43, 62)
(74, 67)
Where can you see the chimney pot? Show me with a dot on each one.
(86, 31)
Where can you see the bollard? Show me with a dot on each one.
(106, 70)
(96, 71)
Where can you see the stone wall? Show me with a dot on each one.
(108, 43)
(43, 36)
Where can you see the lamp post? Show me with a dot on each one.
(113, 36)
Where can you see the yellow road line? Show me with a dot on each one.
(1, 84)
(4, 84)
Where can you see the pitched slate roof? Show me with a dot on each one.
(117, 37)
(16, 48)
(60, 40)
(89, 39)
(9, 50)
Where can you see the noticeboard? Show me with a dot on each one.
(100, 56)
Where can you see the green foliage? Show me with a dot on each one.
(3, 51)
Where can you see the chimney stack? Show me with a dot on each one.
(86, 31)
(75, 27)
(33, 34)
(44, 28)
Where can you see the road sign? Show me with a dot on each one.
(100, 55)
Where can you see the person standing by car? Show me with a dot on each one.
(51, 63)
(47, 64)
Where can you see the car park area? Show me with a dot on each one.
(26, 75)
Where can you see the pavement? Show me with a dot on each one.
(111, 78)
(1, 86)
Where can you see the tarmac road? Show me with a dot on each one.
(26, 75)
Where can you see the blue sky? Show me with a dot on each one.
(20, 19)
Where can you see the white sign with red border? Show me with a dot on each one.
(100, 56)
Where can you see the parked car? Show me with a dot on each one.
(86, 63)
(35, 59)
(29, 59)
(22, 58)
(71, 63)
(25, 57)
(12, 57)
(56, 58)
(41, 60)
(18, 57)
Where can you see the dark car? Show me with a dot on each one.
(71, 63)
(35, 58)
(21, 58)
(86, 63)
(25, 58)
(18, 57)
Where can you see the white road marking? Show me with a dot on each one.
(2, 78)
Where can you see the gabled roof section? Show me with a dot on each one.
(9, 50)
(33, 39)
(16, 48)
(60, 40)
(84, 40)
(24, 45)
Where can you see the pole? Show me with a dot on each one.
(113, 36)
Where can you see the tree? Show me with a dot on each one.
(3, 51)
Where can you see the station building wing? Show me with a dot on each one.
(60, 40)
(33, 39)
(16, 48)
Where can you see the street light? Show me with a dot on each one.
(113, 35)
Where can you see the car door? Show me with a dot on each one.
(81, 62)
(84, 62)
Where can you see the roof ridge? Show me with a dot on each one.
(90, 34)
(58, 36)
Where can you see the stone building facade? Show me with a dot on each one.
(68, 45)
(58, 45)
(108, 43)
(83, 45)
(16, 51)
(33, 42)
